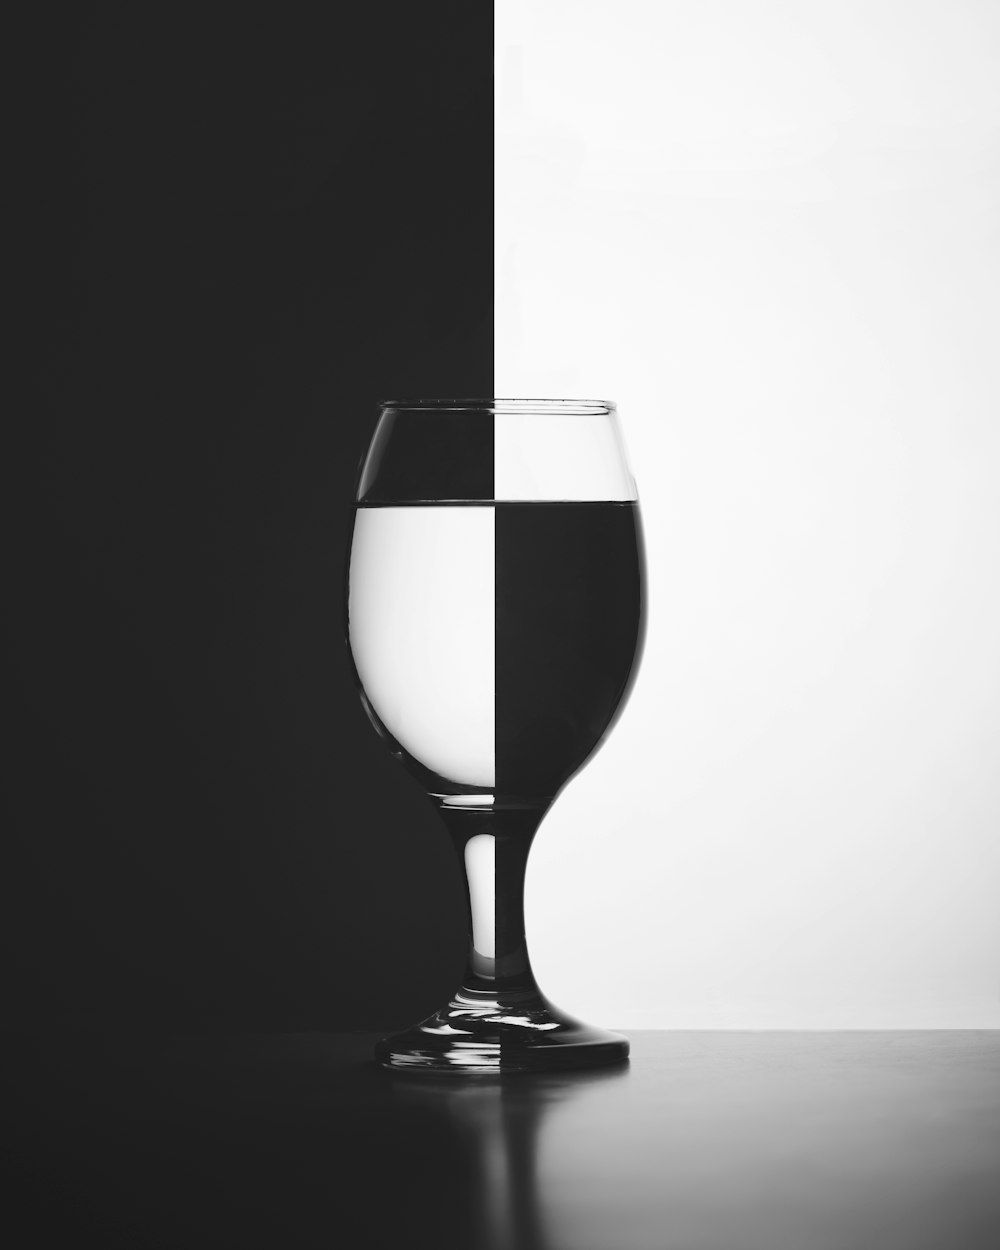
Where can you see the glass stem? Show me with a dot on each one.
(493, 847)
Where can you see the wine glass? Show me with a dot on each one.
(496, 614)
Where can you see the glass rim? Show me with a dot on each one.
(540, 407)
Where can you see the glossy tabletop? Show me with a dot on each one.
(756, 1141)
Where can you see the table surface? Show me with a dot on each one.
(705, 1139)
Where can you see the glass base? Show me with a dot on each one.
(474, 1037)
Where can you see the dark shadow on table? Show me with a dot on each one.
(274, 1140)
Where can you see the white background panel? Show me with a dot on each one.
(771, 232)
(531, 460)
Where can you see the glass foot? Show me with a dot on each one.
(476, 1037)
